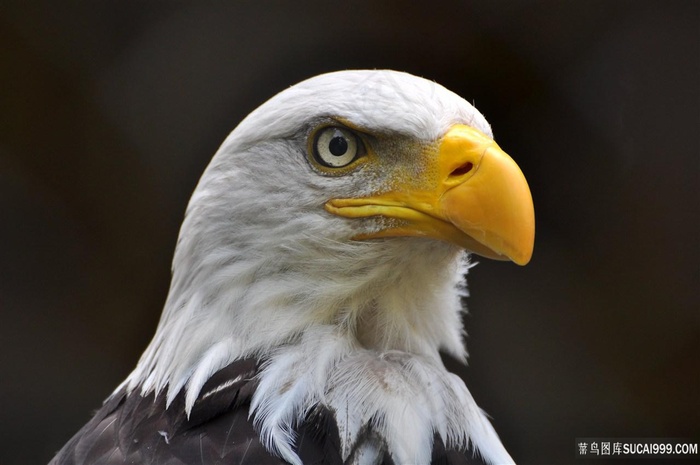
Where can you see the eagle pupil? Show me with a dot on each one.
(338, 146)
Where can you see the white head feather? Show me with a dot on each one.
(261, 269)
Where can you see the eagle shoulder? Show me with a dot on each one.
(133, 429)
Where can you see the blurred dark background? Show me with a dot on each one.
(112, 109)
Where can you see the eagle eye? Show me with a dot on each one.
(336, 147)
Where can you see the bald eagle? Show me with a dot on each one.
(317, 276)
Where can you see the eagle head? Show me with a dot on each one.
(329, 238)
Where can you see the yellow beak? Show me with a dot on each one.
(473, 195)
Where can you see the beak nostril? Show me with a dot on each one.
(464, 169)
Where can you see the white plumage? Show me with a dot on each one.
(263, 270)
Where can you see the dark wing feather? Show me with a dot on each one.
(443, 456)
(132, 429)
(318, 440)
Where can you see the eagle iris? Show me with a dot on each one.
(335, 147)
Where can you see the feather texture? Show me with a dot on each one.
(132, 429)
(284, 341)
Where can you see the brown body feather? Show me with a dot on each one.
(133, 429)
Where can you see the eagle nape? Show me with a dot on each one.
(318, 274)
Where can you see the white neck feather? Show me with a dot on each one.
(405, 399)
(370, 323)
(227, 307)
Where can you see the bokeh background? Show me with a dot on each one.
(110, 110)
